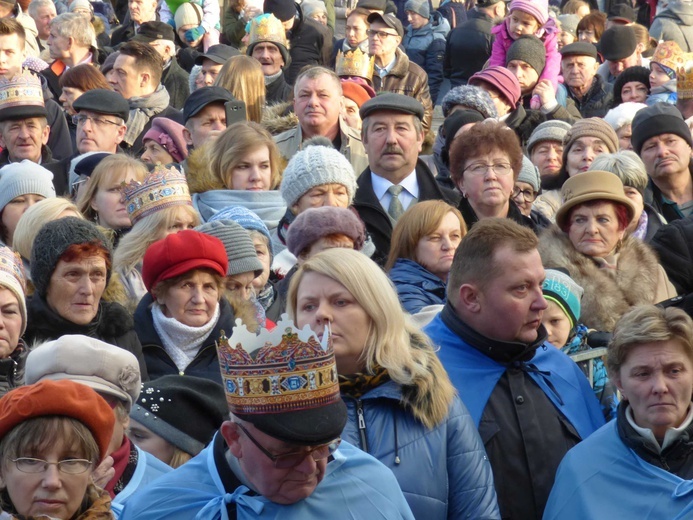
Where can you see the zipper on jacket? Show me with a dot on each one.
(362, 425)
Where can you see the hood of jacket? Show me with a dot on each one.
(680, 11)
(279, 118)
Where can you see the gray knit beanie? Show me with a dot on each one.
(23, 178)
(52, 241)
(316, 223)
(469, 96)
(553, 130)
(530, 49)
(569, 23)
(317, 164)
(420, 7)
(238, 244)
(529, 174)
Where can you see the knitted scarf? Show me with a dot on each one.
(356, 385)
(181, 342)
(142, 109)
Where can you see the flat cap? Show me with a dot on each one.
(388, 19)
(579, 49)
(152, 31)
(103, 101)
(219, 54)
(393, 102)
(617, 42)
(201, 98)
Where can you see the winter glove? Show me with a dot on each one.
(195, 34)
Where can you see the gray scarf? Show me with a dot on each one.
(142, 109)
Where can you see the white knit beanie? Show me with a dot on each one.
(23, 178)
(317, 164)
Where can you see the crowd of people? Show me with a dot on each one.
(246, 273)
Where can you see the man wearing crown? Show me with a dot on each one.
(268, 45)
(279, 455)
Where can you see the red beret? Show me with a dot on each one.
(64, 398)
(181, 252)
(355, 92)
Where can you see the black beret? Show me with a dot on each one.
(617, 42)
(203, 97)
(152, 31)
(103, 101)
(579, 49)
(393, 102)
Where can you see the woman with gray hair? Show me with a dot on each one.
(647, 452)
(628, 167)
(620, 119)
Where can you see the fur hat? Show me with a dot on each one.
(169, 135)
(24, 178)
(552, 130)
(623, 114)
(502, 80)
(185, 411)
(660, 118)
(561, 289)
(530, 49)
(590, 127)
(52, 241)
(469, 97)
(239, 247)
(537, 8)
(316, 223)
(316, 164)
(106, 368)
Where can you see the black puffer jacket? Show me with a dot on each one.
(468, 47)
(112, 324)
(597, 101)
(159, 363)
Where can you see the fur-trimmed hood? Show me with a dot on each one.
(279, 118)
(199, 174)
(608, 293)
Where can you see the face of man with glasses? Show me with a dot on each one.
(281, 472)
(382, 41)
(98, 132)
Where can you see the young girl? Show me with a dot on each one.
(668, 57)
(561, 320)
(528, 17)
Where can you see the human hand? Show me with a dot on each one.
(544, 89)
(104, 472)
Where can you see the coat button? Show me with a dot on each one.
(519, 399)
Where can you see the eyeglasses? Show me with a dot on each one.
(294, 458)
(80, 119)
(69, 466)
(80, 180)
(528, 195)
(500, 169)
(380, 34)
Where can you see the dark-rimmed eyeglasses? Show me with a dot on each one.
(380, 34)
(80, 119)
(69, 466)
(294, 458)
(528, 195)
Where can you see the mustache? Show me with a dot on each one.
(393, 149)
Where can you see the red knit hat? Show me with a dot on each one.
(64, 398)
(501, 79)
(181, 252)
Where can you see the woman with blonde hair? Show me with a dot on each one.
(423, 245)
(402, 407)
(243, 77)
(100, 200)
(241, 167)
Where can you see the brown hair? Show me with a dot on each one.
(619, 209)
(474, 260)
(648, 324)
(163, 286)
(84, 77)
(481, 139)
(243, 77)
(595, 21)
(418, 221)
(361, 13)
(573, 6)
(9, 26)
(649, 44)
(147, 59)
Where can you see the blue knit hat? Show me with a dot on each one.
(247, 220)
(561, 289)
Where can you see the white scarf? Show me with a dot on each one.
(181, 342)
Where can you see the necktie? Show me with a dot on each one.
(395, 209)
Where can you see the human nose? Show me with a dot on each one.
(51, 477)
(308, 465)
(219, 125)
(86, 286)
(446, 243)
(323, 314)
(659, 383)
(540, 303)
(330, 200)
(197, 295)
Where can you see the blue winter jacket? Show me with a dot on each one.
(444, 473)
(416, 286)
(426, 48)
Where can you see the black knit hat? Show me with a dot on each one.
(530, 49)
(185, 411)
(636, 73)
(285, 10)
(660, 118)
(52, 241)
(452, 124)
(617, 42)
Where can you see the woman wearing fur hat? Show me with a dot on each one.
(13, 351)
(402, 408)
(589, 241)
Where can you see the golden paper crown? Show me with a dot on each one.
(684, 78)
(21, 96)
(283, 370)
(668, 54)
(267, 28)
(355, 63)
(162, 188)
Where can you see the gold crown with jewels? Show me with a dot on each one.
(162, 188)
(355, 63)
(267, 28)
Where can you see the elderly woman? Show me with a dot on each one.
(402, 407)
(586, 139)
(620, 118)
(52, 436)
(589, 241)
(644, 455)
(484, 166)
(423, 245)
(164, 142)
(183, 314)
(13, 351)
(630, 169)
(70, 268)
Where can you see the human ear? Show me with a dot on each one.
(229, 431)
